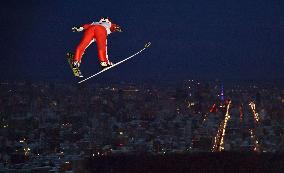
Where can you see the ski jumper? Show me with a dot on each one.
(97, 31)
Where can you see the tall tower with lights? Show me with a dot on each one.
(222, 97)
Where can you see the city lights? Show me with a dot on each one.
(103, 125)
(218, 144)
(241, 113)
(27, 151)
(255, 114)
(255, 140)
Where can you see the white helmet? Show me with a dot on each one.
(104, 19)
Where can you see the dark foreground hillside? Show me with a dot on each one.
(190, 163)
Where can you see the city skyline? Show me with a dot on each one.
(60, 126)
(191, 39)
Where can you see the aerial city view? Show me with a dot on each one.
(50, 126)
(142, 86)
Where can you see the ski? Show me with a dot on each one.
(116, 64)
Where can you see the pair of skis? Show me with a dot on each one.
(75, 72)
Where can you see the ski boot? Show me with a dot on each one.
(105, 65)
(76, 69)
(74, 65)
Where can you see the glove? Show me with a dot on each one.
(76, 29)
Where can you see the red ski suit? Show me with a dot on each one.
(95, 32)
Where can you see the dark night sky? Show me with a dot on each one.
(198, 39)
